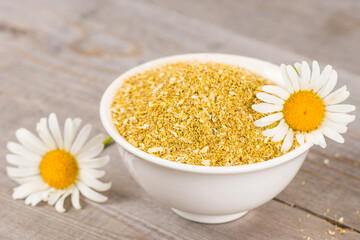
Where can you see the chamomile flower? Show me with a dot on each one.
(306, 107)
(55, 165)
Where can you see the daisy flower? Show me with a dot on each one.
(55, 165)
(305, 105)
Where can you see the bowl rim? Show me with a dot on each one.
(105, 116)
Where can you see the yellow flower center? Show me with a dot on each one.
(304, 111)
(59, 169)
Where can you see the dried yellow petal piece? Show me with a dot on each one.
(205, 149)
(155, 149)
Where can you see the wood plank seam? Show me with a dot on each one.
(325, 218)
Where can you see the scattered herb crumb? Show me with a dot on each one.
(332, 233)
(342, 231)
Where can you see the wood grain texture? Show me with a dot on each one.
(59, 56)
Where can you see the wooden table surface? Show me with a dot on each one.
(59, 56)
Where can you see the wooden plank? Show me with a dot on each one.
(134, 218)
(330, 190)
(62, 58)
(327, 30)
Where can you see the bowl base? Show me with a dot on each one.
(212, 219)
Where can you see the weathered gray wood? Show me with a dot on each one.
(327, 30)
(60, 56)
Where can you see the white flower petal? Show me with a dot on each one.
(70, 130)
(294, 77)
(94, 172)
(55, 130)
(36, 199)
(95, 162)
(286, 78)
(80, 139)
(23, 152)
(22, 180)
(309, 139)
(44, 133)
(59, 206)
(272, 131)
(21, 161)
(298, 68)
(288, 141)
(314, 140)
(304, 76)
(262, 122)
(93, 182)
(98, 139)
(319, 138)
(54, 196)
(30, 141)
(68, 134)
(280, 134)
(329, 85)
(33, 199)
(340, 117)
(336, 97)
(266, 108)
(76, 124)
(324, 77)
(322, 141)
(29, 198)
(94, 142)
(330, 133)
(91, 153)
(338, 127)
(22, 172)
(340, 108)
(315, 75)
(24, 190)
(300, 138)
(75, 198)
(44, 195)
(269, 98)
(276, 90)
(340, 98)
(89, 193)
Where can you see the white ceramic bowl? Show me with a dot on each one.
(199, 193)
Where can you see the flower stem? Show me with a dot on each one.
(108, 141)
